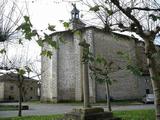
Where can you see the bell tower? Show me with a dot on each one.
(74, 13)
(75, 22)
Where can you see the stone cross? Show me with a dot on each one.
(85, 51)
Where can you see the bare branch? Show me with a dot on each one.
(145, 9)
(157, 29)
(130, 16)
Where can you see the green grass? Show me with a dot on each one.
(126, 102)
(47, 117)
(59, 102)
(114, 102)
(125, 115)
(121, 102)
(8, 107)
(136, 114)
(12, 107)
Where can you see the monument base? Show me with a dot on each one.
(89, 114)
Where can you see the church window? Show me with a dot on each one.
(31, 88)
(11, 87)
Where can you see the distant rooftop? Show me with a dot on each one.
(13, 76)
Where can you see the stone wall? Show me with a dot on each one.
(78, 68)
(66, 68)
(141, 57)
(30, 90)
(1, 91)
(46, 77)
(62, 74)
(11, 91)
(127, 85)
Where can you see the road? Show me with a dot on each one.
(48, 109)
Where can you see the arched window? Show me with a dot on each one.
(77, 16)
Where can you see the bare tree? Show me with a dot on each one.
(10, 18)
(21, 68)
(143, 18)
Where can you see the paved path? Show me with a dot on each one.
(48, 109)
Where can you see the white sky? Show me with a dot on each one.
(43, 12)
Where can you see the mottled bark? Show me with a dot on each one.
(150, 50)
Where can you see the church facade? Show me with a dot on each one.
(62, 74)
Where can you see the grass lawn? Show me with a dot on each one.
(7, 107)
(125, 115)
(47, 117)
(114, 102)
(136, 114)
(12, 107)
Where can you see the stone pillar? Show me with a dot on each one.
(46, 71)
(92, 86)
(55, 72)
(86, 85)
(49, 81)
(85, 50)
(78, 75)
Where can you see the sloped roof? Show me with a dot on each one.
(132, 36)
(95, 28)
(14, 76)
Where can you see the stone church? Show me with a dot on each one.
(62, 74)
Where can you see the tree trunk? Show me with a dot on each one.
(151, 62)
(108, 96)
(20, 96)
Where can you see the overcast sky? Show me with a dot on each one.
(43, 12)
